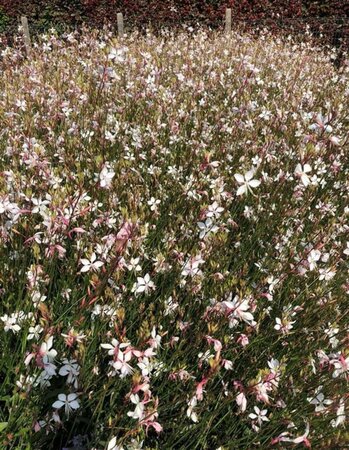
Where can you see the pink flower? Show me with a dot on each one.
(200, 388)
(216, 343)
(125, 231)
(283, 437)
(243, 340)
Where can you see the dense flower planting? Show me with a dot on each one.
(174, 243)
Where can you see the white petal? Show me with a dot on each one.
(98, 264)
(254, 183)
(239, 178)
(63, 371)
(249, 175)
(298, 169)
(242, 190)
(74, 404)
(247, 316)
(305, 179)
(57, 404)
(49, 342)
(112, 443)
(107, 346)
(140, 289)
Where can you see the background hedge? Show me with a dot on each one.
(329, 16)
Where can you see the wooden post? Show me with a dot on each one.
(120, 20)
(228, 20)
(26, 34)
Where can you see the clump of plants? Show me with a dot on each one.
(174, 243)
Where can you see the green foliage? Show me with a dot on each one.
(4, 21)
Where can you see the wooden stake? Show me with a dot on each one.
(26, 34)
(120, 20)
(228, 20)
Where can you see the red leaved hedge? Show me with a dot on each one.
(330, 16)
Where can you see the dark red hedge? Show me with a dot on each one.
(330, 16)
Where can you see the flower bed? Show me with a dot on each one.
(174, 243)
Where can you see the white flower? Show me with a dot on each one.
(326, 274)
(227, 364)
(238, 309)
(341, 367)
(283, 325)
(10, 323)
(298, 440)
(114, 347)
(34, 332)
(274, 365)
(112, 444)
(143, 285)
(320, 402)
(340, 414)
(170, 306)
(246, 181)
(69, 402)
(146, 366)
(47, 350)
(49, 367)
(191, 414)
(91, 264)
(37, 298)
(321, 124)
(153, 203)
(117, 55)
(346, 251)
(206, 227)
(332, 334)
(40, 206)
(121, 364)
(313, 257)
(25, 382)
(301, 172)
(241, 401)
(259, 415)
(70, 369)
(138, 413)
(133, 265)
(43, 380)
(106, 176)
(191, 267)
(214, 210)
(335, 140)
